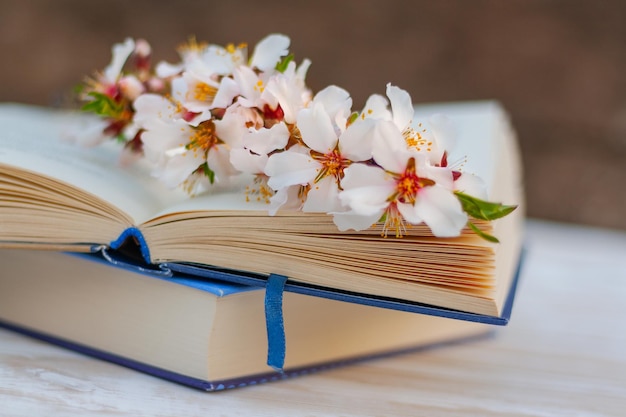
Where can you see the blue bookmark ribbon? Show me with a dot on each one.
(274, 322)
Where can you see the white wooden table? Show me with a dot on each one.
(563, 354)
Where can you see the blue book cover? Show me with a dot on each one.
(202, 332)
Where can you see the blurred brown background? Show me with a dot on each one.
(559, 67)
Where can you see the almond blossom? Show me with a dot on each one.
(185, 151)
(404, 186)
(404, 189)
(220, 114)
(216, 99)
(216, 75)
(110, 95)
(333, 144)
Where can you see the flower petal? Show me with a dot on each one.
(218, 160)
(287, 198)
(268, 52)
(290, 168)
(442, 176)
(178, 168)
(317, 129)
(336, 102)
(149, 107)
(352, 221)
(409, 213)
(245, 161)
(376, 107)
(131, 87)
(355, 143)
(161, 137)
(289, 91)
(401, 106)
(120, 52)
(165, 69)
(323, 197)
(217, 60)
(232, 127)
(226, 93)
(472, 185)
(361, 175)
(366, 200)
(263, 141)
(388, 147)
(179, 89)
(366, 189)
(302, 69)
(441, 211)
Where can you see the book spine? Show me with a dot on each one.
(137, 238)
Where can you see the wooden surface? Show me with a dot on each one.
(564, 354)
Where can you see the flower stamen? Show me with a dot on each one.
(204, 92)
(333, 164)
(192, 45)
(393, 220)
(408, 184)
(203, 138)
(261, 192)
(415, 140)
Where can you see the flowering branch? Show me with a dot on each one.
(221, 112)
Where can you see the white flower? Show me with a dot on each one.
(184, 153)
(288, 197)
(405, 186)
(470, 184)
(216, 75)
(257, 145)
(131, 87)
(288, 90)
(269, 51)
(332, 147)
(163, 123)
(250, 85)
(219, 113)
(120, 54)
(432, 137)
(188, 52)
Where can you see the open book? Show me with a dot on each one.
(209, 335)
(55, 195)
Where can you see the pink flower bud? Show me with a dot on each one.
(131, 87)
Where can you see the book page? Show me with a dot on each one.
(37, 140)
(475, 150)
(222, 202)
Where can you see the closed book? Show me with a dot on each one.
(208, 334)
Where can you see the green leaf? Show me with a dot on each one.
(208, 172)
(482, 234)
(352, 118)
(483, 210)
(284, 63)
(103, 105)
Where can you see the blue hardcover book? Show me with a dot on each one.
(63, 197)
(206, 334)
